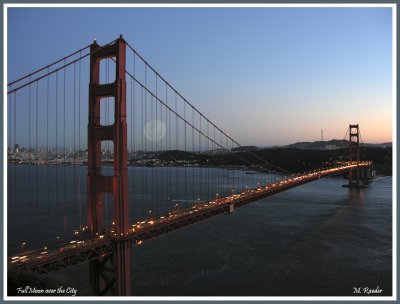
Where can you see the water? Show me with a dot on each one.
(47, 203)
(319, 239)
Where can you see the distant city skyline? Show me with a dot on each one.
(267, 76)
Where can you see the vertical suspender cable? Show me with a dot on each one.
(145, 124)
(208, 153)
(155, 136)
(64, 165)
(9, 143)
(75, 178)
(222, 170)
(56, 146)
(36, 150)
(9, 150)
(177, 148)
(47, 146)
(167, 126)
(161, 166)
(201, 168)
(29, 209)
(163, 175)
(79, 142)
(186, 152)
(227, 163)
(15, 142)
(193, 194)
(142, 166)
(234, 166)
(152, 151)
(217, 173)
(37, 116)
(160, 136)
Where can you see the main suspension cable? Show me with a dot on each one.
(57, 69)
(47, 66)
(195, 109)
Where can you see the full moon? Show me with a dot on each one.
(155, 130)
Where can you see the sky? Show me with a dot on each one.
(267, 76)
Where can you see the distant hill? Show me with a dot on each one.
(320, 145)
(331, 145)
(245, 149)
(382, 145)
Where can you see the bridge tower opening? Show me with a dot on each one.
(354, 154)
(109, 274)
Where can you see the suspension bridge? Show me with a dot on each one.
(93, 170)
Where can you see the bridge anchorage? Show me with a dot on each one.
(108, 251)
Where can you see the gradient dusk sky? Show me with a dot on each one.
(268, 76)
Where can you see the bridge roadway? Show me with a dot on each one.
(84, 248)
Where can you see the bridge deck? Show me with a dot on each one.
(84, 249)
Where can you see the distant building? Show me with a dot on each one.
(16, 148)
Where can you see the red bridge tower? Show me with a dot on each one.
(110, 273)
(354, 154)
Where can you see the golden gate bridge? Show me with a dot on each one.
(133, 117)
